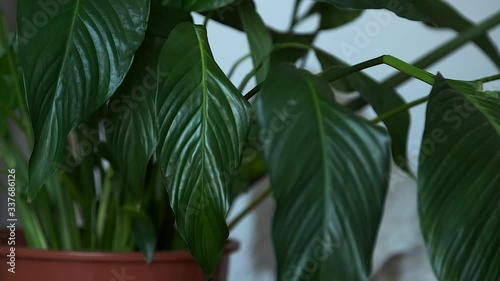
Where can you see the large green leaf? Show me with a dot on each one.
(259, 38)
(283, 55)
(329, 172)
(203, 122)
(72, 65)
(383, 99)
(331, 16)
(164, 18)
(459, 182)
(228, 15)
(133, 108)
(403, 8)
(143, 231)
(132, 131)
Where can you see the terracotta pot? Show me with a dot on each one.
(42, 265)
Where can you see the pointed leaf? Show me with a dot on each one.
(330, 16)
(459, 182)
(329, 172)
(132, 135)
(132, 114)
(382, 99)
(403, 8)
(259, 38)
(143, 231)
(279, 56)
(92, 44)
(203, 122)
(198, 5)
(165, 18)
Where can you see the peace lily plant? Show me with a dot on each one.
(140, 141)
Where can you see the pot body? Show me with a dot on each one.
(50, 265)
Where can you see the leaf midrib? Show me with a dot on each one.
(204, 105)
(322, 138)
(68, 43)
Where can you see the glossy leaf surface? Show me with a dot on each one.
(383, 99)
(259, 38)
(203, 122)
(132, 113)
(74, 56)
(329, 173)
(459, 182)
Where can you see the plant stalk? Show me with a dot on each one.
(255, 202)
(435, 55)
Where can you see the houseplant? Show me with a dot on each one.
(329, 169)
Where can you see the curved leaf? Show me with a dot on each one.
(203, 122)
(198, 5)
(143, 231)
(132, 110)
(330, 16)
(459, 182)
(164, 19)
(383, 99)
(443, 15)
(402, 8)
(279, 56)
(259, 38)
(72, 65)
(329, 172)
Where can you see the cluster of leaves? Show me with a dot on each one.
(141, 77)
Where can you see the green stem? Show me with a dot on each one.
(207, 18)
(448, 47)
(66, 219)
(488, 79)
(335, 73)
(435, 55)
(237, 64)
(256, 89)
(255, 202)
(249, 77)
(253, 92)
(406, 69)
(397, 110)
(25, 117)
(294, 15)
(104, 203)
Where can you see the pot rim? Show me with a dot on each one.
(134, 257)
